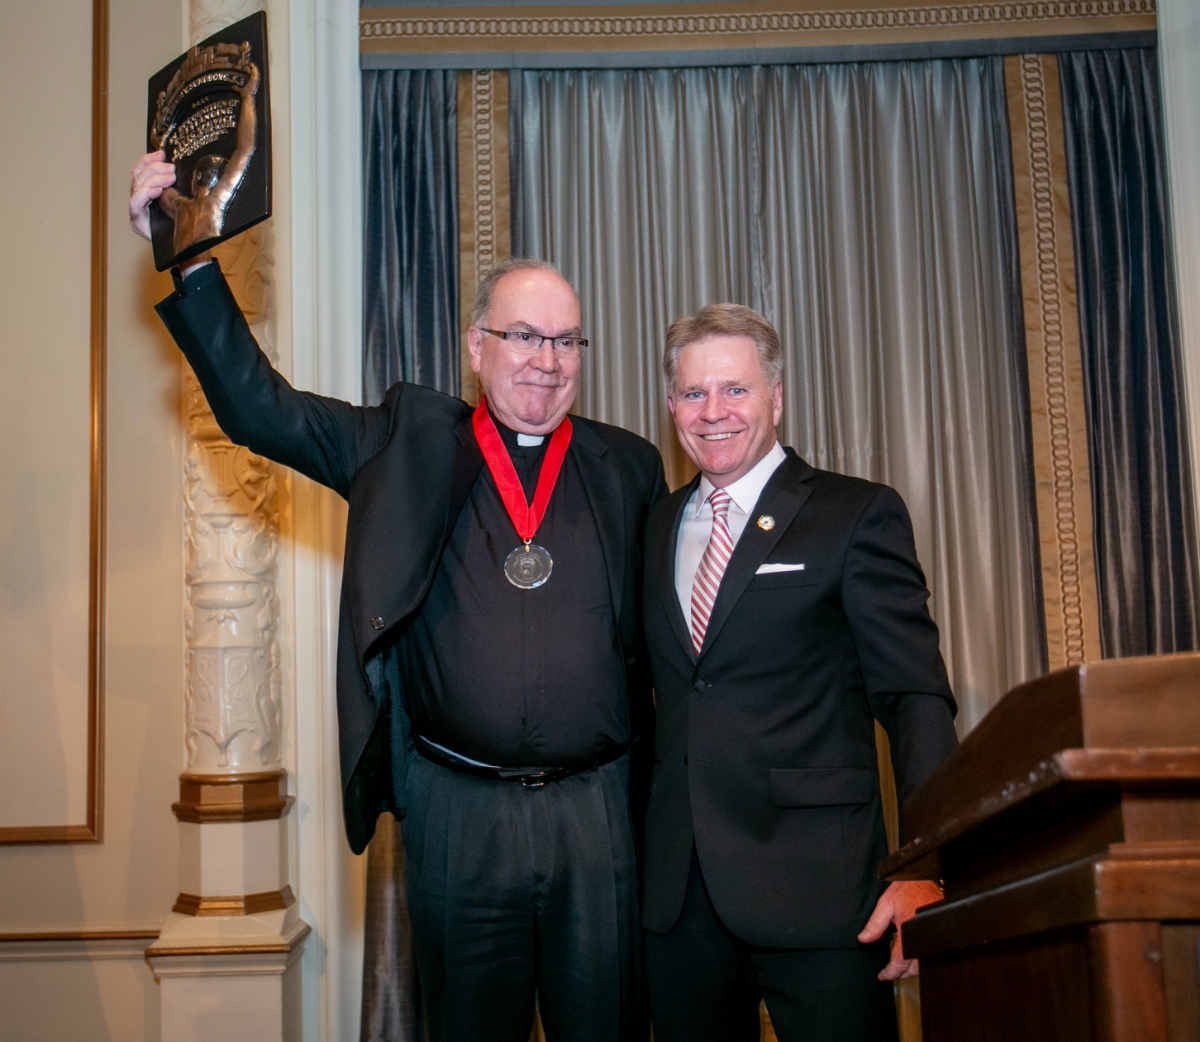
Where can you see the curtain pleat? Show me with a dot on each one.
(410, 332)
(862, 208)
(410, 230)
(1145, 544)
(391, 1004)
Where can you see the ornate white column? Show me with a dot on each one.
(226, 956)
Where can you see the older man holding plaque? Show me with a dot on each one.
(493, 688)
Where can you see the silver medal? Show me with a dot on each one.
(527, 567)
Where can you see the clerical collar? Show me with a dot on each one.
(515, 439)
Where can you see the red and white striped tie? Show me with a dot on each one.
(712, 567)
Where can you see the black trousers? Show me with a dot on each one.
(520, 894)
(706, 985)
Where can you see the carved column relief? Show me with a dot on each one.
(231, 525)
(231, 530)
(483, 192)
(1056, 393)
(205, 17)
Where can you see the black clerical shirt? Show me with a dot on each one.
(512, 677)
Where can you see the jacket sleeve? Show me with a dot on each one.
(660, 484)
(885, 600)
(323, 438)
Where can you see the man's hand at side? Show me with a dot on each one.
(151, 177)
(897, 905)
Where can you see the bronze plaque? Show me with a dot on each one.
(210, 113)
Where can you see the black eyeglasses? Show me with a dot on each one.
(531, 343)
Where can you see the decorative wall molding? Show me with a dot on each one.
(207, 799)
(75, 946)
(246, 990)
(236, 904)
(492, 27)
(91, 829)
(94, 825)
(483, 193)
(251, 959)
(1056, 392)
(735, 24)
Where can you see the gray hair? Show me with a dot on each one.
(723, 320)
(483, 295)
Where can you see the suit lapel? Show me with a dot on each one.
(667, 548)
(602, 485)
(782, 498)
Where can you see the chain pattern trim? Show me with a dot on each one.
(929, 17)
(1054, 365)
(483, 99)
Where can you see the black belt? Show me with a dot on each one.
(530, 777)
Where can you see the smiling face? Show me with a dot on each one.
(725, 410)
(528, 393)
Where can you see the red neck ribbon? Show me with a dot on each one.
(526, 517)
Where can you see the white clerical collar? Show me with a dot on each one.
(526, 440)
(746, 490)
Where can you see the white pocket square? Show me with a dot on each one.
(767, 569)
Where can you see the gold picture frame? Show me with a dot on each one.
(92, 828)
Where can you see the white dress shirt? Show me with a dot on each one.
(696, 526)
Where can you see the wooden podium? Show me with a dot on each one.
(1066, 830)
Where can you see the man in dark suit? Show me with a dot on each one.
(785, 613)
(493, 686)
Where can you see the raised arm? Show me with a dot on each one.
(235, 169)
(324, 438)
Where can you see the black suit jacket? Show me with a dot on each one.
(406, 468)
(765, 749)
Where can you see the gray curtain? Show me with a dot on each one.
(866, 210)
(410, 230)
(391, 1004)
(1145, 539)
(410, 332)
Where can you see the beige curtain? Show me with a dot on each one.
(866, 210)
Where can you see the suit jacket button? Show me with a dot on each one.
(699, 685)
(377, 623)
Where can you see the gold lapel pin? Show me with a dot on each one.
(766, 522)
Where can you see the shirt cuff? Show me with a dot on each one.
(195, 278)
